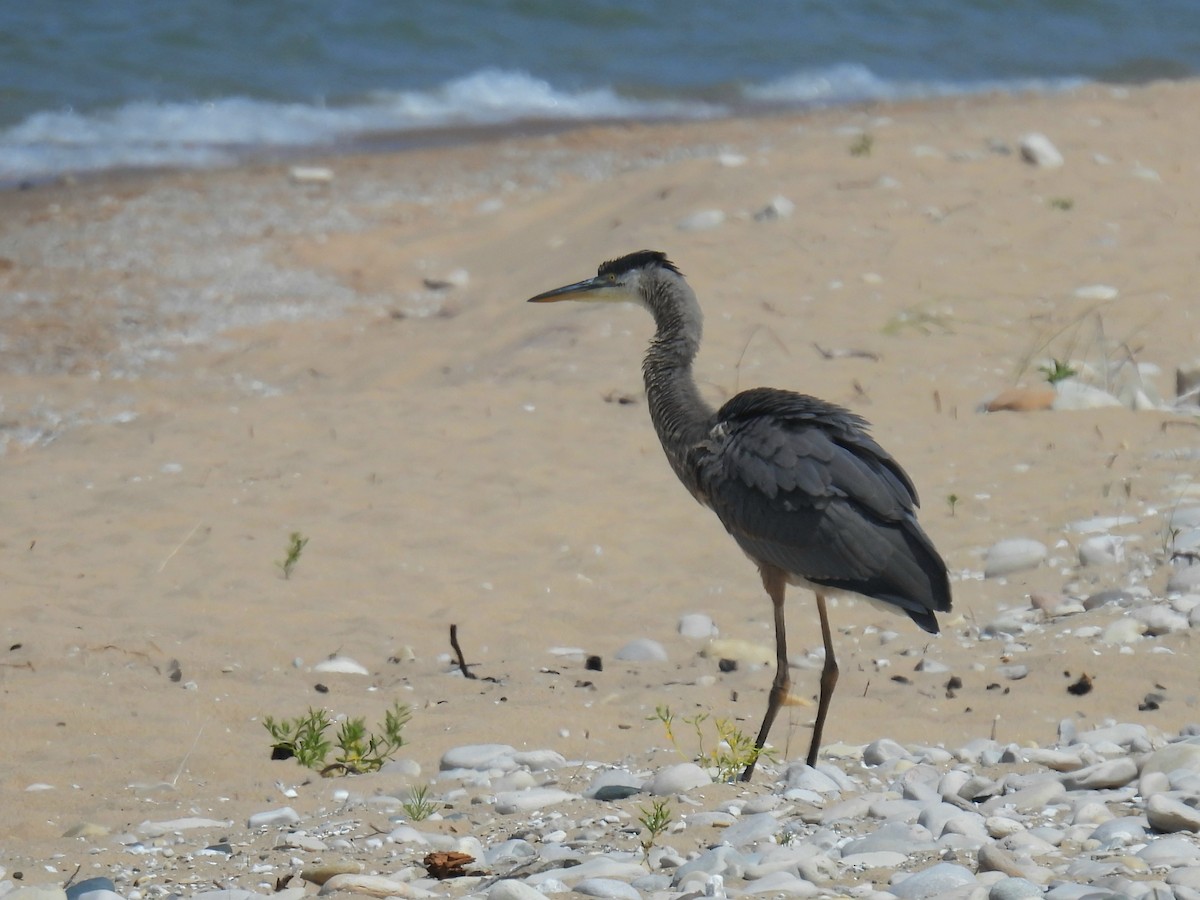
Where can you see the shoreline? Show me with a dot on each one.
(248, 357)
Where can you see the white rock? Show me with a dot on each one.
(1038, 150)
(697, 625)
(1098, 524)
(1096, 292)
(285, 815)
(881, 751)
(341, 665)
(478, 756)
(372, 886)
(1125, 630)
(310, 174)
(702, 221)
(539, 760)
(642, 650)
(173, 826)
(1070, 394)
(535, 798)
(678, 779)
(607, 887)
(511, 889)
(778, 884)
(1183, 756)
(1160, 620)
(1013, 555)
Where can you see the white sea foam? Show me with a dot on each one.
(222, 131)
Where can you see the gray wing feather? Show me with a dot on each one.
(801, 486)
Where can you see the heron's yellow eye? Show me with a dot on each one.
(612, 277)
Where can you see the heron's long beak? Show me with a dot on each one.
(592, 289)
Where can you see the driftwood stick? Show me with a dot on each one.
(462, 663)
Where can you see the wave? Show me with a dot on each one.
(226, 130)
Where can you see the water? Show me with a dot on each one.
(120, 83)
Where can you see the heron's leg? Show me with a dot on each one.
(775, 581)
(829, 677)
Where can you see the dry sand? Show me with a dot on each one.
(461, 457)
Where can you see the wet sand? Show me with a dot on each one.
(199, 364)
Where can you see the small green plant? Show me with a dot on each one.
(952, 500)
(732, 752)
(654, 820)
(302, 738)
(862, 145)
(1063, 203)
(296, 545)
(1057, 370)
(358, 750)
(418, 806)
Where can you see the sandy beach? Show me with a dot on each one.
(196, 365)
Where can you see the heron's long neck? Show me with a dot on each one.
(679, 414)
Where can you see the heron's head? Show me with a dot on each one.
(627, 279)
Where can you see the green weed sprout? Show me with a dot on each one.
(358, 750)
(296, 545)
(654, 820)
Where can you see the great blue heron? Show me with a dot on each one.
(799, 483)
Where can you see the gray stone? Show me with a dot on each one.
(881, 751)
(1182, 755)
(1120, 832)
(1112, 773)
(608, 888)
(508, 802)
(751, 830)
(937, 879)
(1170, 852)
(1104, 598)
(1173, 811)
(1014, 889)
(780, 884)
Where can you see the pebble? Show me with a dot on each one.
(642, 650)
(697, 625)
(479, 756)
(1101, 550)
(703, 220)
(1013, 555)
(678, 779)
(1108, 811)
(273, 817)
(779, 207)
(512, 889)
(607, 887)
(372, 886)
(1037, 149)
(341, 665)
(937, 879)
(1172, 811)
